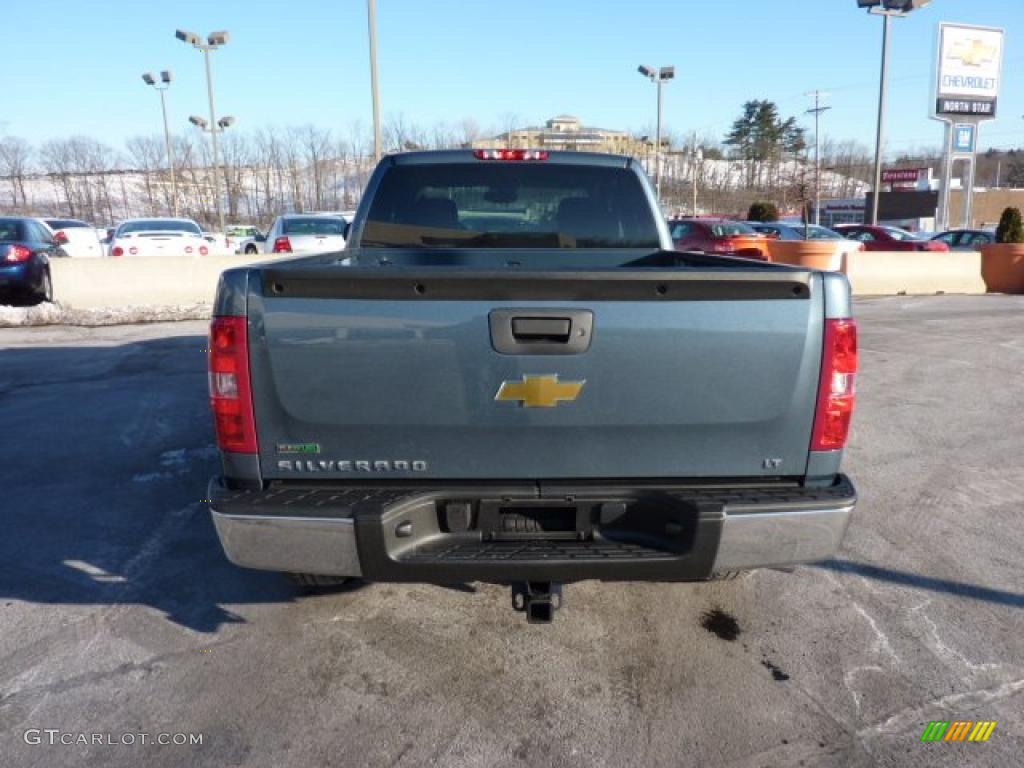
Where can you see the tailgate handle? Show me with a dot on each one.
(525, 331)
(553, 330)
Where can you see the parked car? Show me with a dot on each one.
(76, 238)
(876, 238)
(965, 239)
(782, 230)
(26, 247)
(248, 239)
(719, 236)
(306, 233)
(220, 244)
(158, 237)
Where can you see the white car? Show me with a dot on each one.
(76, 238)
(306, 233)
(159, 237)
(220, 245)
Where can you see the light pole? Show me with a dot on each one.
(816, 110)
(658, 77)
(371, 18)
(219, 127)
(886, 9)
(166, 76)
(213, 41)
(698, 158)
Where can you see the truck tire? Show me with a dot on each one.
(315, 580)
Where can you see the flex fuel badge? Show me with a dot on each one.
(304, 448)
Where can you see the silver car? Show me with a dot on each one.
(306, 233)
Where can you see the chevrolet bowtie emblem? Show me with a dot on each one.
(973, 52)
(539, 391)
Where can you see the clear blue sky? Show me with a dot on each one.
(72, 67)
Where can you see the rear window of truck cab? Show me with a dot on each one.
(510, 205)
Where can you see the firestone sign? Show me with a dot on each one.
(969, 68)
(903, 175)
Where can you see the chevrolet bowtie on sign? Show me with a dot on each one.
(958, 730)
(539, 391)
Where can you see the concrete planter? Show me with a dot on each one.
(813, 254)
(1002, 267)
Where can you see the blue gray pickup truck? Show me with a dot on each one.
(509, 376)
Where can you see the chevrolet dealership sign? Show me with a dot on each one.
(970, 62)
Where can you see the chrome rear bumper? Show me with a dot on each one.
(750, 537)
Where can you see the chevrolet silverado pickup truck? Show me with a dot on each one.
(509, 376)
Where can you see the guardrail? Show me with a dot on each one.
(881, 273)
(139, 281)
(167, 281)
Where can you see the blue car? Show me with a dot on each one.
(26, 247)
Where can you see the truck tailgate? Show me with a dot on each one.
(405, 374)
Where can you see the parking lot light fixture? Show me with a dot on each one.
(886, 9)
(198, 122)
(166, 76)
(658, 77)
(213, 41)
(188, 37)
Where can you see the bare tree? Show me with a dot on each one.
(15, 156)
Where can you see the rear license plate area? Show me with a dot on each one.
(534, 521)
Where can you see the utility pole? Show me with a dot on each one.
(371, 15)
(880, 129)
(816, 111)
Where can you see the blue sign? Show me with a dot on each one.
(963, 138)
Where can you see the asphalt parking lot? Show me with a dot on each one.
(119, 614)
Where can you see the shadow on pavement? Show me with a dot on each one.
(907, 579)
(106, 453)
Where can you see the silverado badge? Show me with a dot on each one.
(539, 391)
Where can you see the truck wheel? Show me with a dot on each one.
(251, 249)
(315, 580)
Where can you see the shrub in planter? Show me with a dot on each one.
(763, 212)
(1011, 228)
(1002, 262)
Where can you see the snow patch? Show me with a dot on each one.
(58, 314)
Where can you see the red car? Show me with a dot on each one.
(888, 238)
(721, 236)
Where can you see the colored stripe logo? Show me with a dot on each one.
(958, 730)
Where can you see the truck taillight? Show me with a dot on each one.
(510, 154)
(282, 245)
(230, 393)
(837, 390)
(117, 250)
